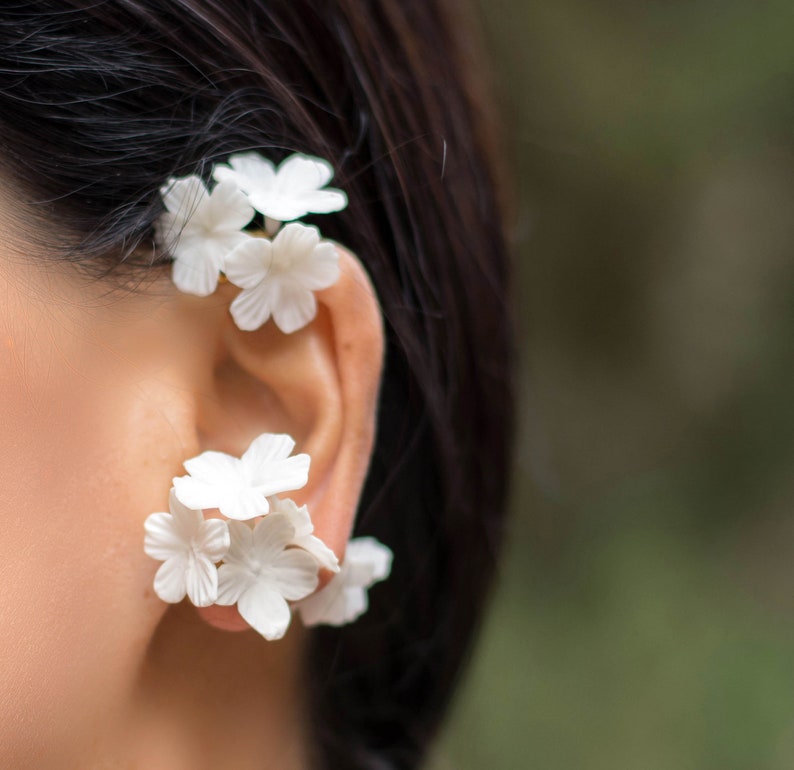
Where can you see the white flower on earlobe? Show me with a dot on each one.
(279, 277)
(304, 532)
(262, 572)
(189, 547)
(239, 488)
(200, 228)
(289, 192)
(345, 598)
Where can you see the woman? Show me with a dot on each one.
(112, 378)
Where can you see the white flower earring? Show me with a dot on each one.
(270, 555)
(264, 553)
(279, 277)
(240, 488)
(189, 547)
(345, 599)
(200, 229)
(296, 188)
(204, 231)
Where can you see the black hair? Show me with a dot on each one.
(102, 100)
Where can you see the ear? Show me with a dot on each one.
(319, 384)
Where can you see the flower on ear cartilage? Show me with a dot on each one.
(345, 597)
(189, 547)
(262, 571)
(294, 189)
(240, 488)
(279, 277)
(201, 228)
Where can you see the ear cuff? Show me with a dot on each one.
(265, 558)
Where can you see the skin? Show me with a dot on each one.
(103, 394)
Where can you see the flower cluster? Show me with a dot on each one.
(204, 231)
(269, 553)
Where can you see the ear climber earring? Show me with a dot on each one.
(278, 271)
(266, 555)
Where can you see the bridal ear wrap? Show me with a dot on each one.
(260, 552)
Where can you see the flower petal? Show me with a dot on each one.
(201, 581)
(214, 479)
(295, 241)
(202, 494)
(213, 539)
(211, 465)
(227, 208)
(246, 503)
(368, 561)
(194, 276)
(233, 581)
(270, 469)
(249, 263)
(169, 582)
(267, 447)
(162, 540)
(301, 521)
(251, 308)
(182, 196)
(248, 170)
(277, 207)
(271, 536)
(320, 269)
(265, 610)
(323, 201)
(332, 605)
(298, 517)
(187, 521)
(302, 172)
(294, 574)
(319, 550)
(296, 308)
(285, 475)
(345, 596)
(242, 544)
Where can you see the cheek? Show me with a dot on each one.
(85, 456)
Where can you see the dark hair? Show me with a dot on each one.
(102, 100)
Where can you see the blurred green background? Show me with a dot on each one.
(645, 615)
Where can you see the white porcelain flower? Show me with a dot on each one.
(239, 488)
(345, 598)
(304, 532)
(262, 572)
(189, 546)
(289, 192)
(279, 277)
(201, 228)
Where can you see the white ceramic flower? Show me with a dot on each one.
(239, 488)
(189, 547)
(279, 277)
(304, 532)
(345, 598)
(288, 192)
(200, 228)
(262, 572)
